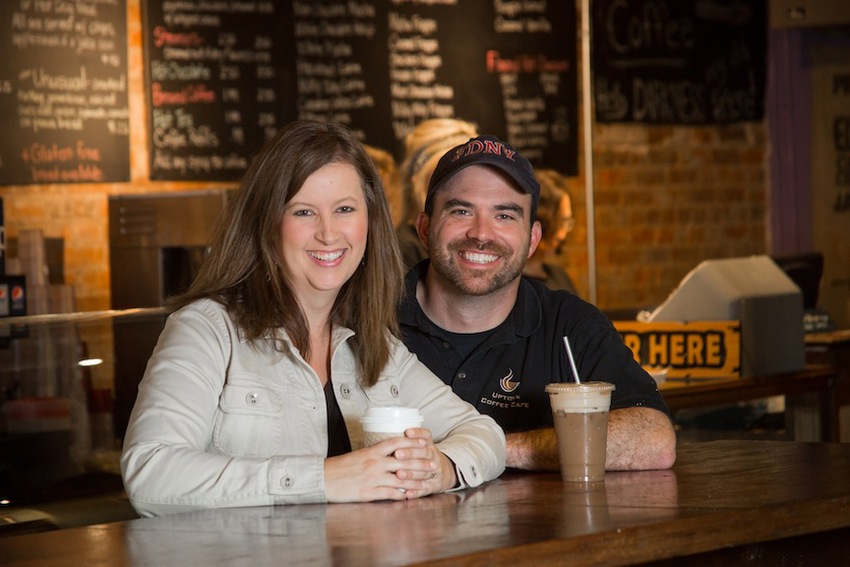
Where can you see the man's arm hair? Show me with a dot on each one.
(639, 438)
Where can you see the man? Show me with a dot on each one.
(497, 337)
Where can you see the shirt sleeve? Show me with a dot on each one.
(603, 356)
(474, 442)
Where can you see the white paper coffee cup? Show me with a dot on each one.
(381, 423)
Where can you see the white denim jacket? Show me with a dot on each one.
(222, 422)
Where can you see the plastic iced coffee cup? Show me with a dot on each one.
(580, 412)
(386, 422)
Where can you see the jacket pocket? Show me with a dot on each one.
(248, 422)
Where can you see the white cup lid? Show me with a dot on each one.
(392, 412)
(393, 417)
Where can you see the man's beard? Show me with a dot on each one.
(477, 283)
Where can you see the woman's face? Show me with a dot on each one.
(323, 231)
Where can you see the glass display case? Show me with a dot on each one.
(67, 385)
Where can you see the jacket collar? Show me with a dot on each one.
(338, 337)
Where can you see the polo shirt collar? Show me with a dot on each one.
(524, 319)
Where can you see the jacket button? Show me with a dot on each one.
(461, 375)
(345, 391)
(394, 391)
(253, 398)
(286, 482)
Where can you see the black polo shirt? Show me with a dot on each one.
(505, 376)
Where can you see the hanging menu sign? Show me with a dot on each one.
(225, 75)
(381, 68)
(508, 66)
(63, 92)
(217, 87)
(673, 62)
(340, 60)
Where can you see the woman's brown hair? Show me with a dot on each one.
(243, 270)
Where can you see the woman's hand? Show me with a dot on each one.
(435, 469)
(395, 469)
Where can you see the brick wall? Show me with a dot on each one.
(78, 213)
(665, 199)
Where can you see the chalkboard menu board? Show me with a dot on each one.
(217, 86)
(674, 62)
(379, 67)
(63, 92)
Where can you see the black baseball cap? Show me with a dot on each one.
(486, 150)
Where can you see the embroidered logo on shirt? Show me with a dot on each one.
(505, 399)
(507, 383)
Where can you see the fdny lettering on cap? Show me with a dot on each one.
(484, 147)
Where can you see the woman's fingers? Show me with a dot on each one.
(394, 469)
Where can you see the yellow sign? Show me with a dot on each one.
(705, 349)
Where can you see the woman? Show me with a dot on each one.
(423, 148)
(387, 169)
(255, 389)
(555, 214)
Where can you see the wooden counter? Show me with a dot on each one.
(728, 501)
(833, 348)
(818, 378)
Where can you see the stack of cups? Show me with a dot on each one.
(381, 423)
(580, 412)
(32, 256)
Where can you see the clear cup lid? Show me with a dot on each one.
(584, 387)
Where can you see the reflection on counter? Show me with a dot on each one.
(65, 396)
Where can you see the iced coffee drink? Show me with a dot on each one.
(580, 413)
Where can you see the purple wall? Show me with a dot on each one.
(789, 123)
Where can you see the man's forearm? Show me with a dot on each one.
(638, 439)
(535, 450)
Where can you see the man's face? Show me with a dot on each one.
(480, 233)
